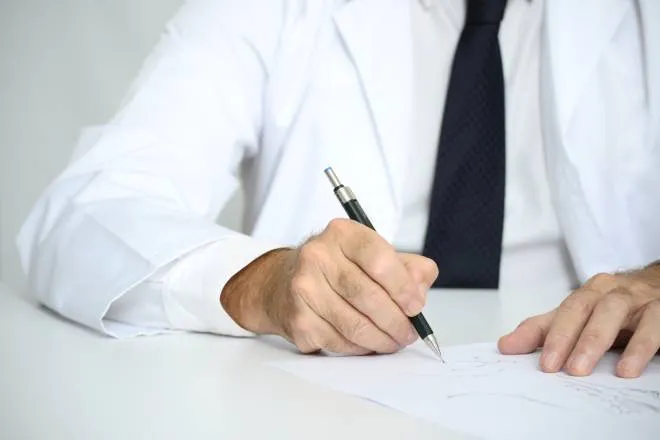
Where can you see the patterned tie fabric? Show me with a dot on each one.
(466, 215)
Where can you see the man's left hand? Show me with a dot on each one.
(620, 310)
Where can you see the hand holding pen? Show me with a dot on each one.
(345, 290)
(355, 212)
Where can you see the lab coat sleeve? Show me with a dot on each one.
(184, 294)
(134, 212)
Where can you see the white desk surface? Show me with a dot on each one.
(61, 381)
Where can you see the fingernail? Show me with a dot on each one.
(422, 290)
(579, 363)
(550, 360)
(629, 366)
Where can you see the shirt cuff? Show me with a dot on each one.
(192, 286)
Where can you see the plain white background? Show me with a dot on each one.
(64, 65)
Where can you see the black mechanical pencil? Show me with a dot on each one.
(355, 212)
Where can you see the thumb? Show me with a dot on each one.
(528, 336)
(422, 270)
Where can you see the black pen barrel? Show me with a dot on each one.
(356, 213)
(423, 328)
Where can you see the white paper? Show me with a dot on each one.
(483, 393)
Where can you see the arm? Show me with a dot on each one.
(142, 192)
(127, 233)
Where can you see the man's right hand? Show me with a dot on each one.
(345, 291)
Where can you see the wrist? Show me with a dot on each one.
(248, 296)
(649, 274)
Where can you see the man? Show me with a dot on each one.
(480, 138)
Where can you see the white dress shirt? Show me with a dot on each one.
(185, 294)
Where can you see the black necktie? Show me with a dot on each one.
(464, 234)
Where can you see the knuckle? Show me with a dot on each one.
(338, 225)
(357, 330)
(615, 301)
(424, 271)
(432, 268)
(331, 344)
(365, 334)
(302, 333)
(605, 277)
(301, 285)
(361, 332)
(305, 345)
(311, 252)
(380, 266)
(302, 325)
(337, 345)
(576, 304)
(603, 280)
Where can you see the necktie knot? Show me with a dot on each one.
(481, 12)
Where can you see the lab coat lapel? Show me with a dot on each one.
(576, 35)
(575, 38)
(377, 35)
(650, 12)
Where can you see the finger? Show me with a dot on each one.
(349, 322)
(377, 258)
(310, 333)
(644, 343)
(372, 301)
(423, 270)
(570, 319)
(528, 336)
(328, 338)
(598, 336)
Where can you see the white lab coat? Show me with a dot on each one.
(272, 92)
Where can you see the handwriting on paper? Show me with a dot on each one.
(483, 393)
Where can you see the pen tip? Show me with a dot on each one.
(327, 169)
(432, 343)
